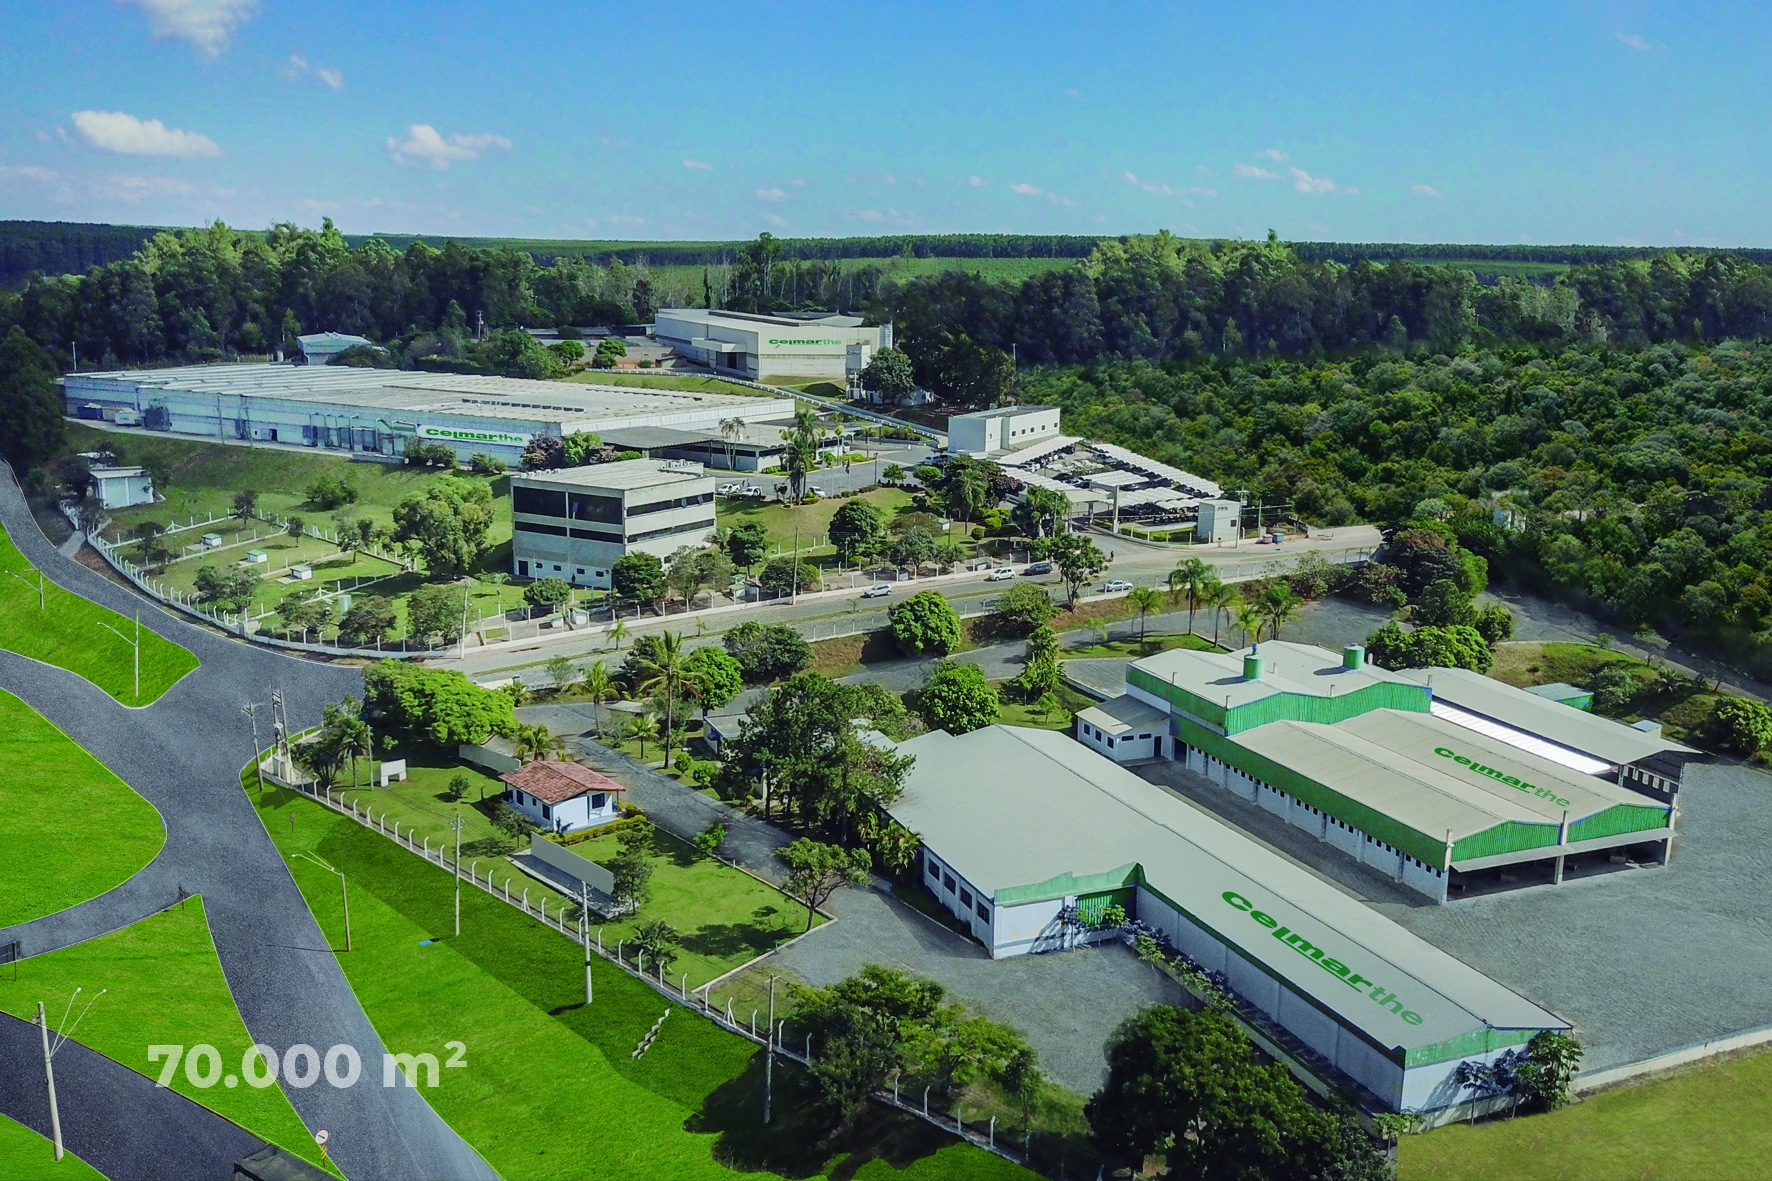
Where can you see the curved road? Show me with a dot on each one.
(183, 754)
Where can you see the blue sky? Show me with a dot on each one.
(1503, 122)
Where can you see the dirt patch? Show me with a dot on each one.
(850, 654)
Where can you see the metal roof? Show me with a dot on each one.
(1000, 412)
(1288, 668)
(1120, 714)
(651, 438)
(1040, 450)
(623, 476)
(1011, 808)
(1562, 724)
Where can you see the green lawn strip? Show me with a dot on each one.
(1134, 650)
(1015, 712)
(550, 1088)
(1683, 708)
(628, 378)
(726, 917)
(1711, 1120)
(166, 988)
(69, 829)
(23, 1153)
(809, 521)
(66, 632)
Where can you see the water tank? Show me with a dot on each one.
(1353, 656)
(1252, 665)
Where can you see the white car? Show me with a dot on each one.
(1118, 584)
(814, 490)
(999, 574)
(731, 489)
(877, 591)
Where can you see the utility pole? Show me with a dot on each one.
(584, 926)
(769, 1062)
(456, 822)
(49, 1053)
(27, 582)
(250, 709)
(137, 643)
(794, 594)
(343, 894)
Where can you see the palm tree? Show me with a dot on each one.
(534, 742)
(1278, 604)
(731, 430)
(1219, 597)
(618, 631)
(1186, 579)
(664, 671)
(642, 729)
(1144, 598)
(601, 687)
(1248, 617)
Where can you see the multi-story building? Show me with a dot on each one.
(574, 523)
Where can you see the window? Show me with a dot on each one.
(984, 912)
(947, 882)
(609, 535)
(543, 502)
(691, 527)
(1110, 743)
(510, 795)
(549, 530)
(965, 899)
(659, 506)
(547, 813)
(584, 506)
(934, 871)
(598, 800)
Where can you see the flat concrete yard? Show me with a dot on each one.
(1641, 960)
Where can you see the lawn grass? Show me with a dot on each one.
(551, 1088)
(66, 632)
(1528, 663)
(1711, 1120)
(25, 1154)
(1681, 705)
(165, 988)
(417, 804)
(665, 381)
(807, 521)
(1134, 650)
(1015, 712)
(69, 829)
(727, 918)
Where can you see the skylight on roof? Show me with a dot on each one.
(1520, 740)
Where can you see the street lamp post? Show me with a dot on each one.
(136, 644)
(769, 1061)
(49, 1053)
(250, 709)
(343, 894)
(27, 582)
(456, 823)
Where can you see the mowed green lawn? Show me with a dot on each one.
(66, 632)
(808, 522)
(1709, 1121)
(69, 829)
(549, 1087)
(25, 1154)
(644, 379)
(165, 988)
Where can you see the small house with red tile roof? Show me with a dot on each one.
(562, 797)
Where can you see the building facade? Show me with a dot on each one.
(574, 523)
(759, 347)
(1005, 428)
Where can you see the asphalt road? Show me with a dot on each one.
(112, 1118)
(183, 754)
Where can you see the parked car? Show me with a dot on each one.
(877, 591)
(754, 491)
(814, 490)
(1039, 568)
(999, 574)
(1116, 585)
(732, 489)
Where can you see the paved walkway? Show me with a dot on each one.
(183, 754)
(1065, 1004)
(112, 1118)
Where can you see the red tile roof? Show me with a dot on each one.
(555, 783)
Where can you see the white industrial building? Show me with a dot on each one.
(1027, 837)
(761, 347)
(319, 348)
(376, 411)
(122, 487)
(573, 523)
(1006, 428)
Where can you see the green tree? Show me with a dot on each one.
(297, 613)
(1041, 511)
(294, 527)
(1022, 609)
(228, 588)
(1542, 1081)
(1444, 603)
(1187, 580)
(892, 474)
(246, 504)
(747, 544)
(563, 673)
(801, 454)
(370, 620)
(708, 840)
(448, 523)
(327, 493)
(1741, 725)
(1145, 599)
(925, 622)
(155, 552)
(632, 868)
(643, 729)
(664, 669)
(767, 651)
(599, 687)
(888, 373)
(784, 577)
(1079, 560)
(957, 698)
(438, 611)
(1495, 623)
(638, 577)
(816, 871)
(547, 595)
(31, 411)
(1277, 603)
(712, 677)
(857, 529)
(1187, 1085)
(658, 941)
(912, 548)
(439, 706)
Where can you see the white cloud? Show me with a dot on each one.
(1072, 92)
(977, 182)
(770, 195)
(1274, 154)
(891, 217)
(1161, 190)
(44, 137)
(1633, 40)
(619, 219)
(115, 131)
(28, 172)
(798, 183)
(775, 219)
(1425, 191)
(1057, 200)
(871, 215)
(1199, 191)
(331, 77)
(423, 145)
(889, 179)
(1319, 229)
(1023, 189)
(297, 67)
(697, 165)
(1304, 182)
(140, 188)
(207, 24)
(1251, 172)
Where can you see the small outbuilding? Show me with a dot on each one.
(122, 487)
(562, 797)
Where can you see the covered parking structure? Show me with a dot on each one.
(1028, 837)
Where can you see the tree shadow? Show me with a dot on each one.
(799, 1142)
(724, 940)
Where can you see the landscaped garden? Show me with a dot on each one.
(69, 829)
(1707, 1121)
(64, 629)
(513, 992)
(807, 523)
(165, 988)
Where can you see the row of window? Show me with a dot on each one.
(967, 902)
(659, 506)
(1095, 732)
(690, 527)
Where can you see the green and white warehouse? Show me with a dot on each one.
(1027, 836)
(1382, 768)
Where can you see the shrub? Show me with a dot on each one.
(1495, 623)
(1740, 725)
(331, 492)
(767, 651)
(925, 622)
(486, 465)
(1022, 609)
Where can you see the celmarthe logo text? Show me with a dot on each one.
(805, 342)
(1499, 777)
(466, 436)
(1310, 951)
